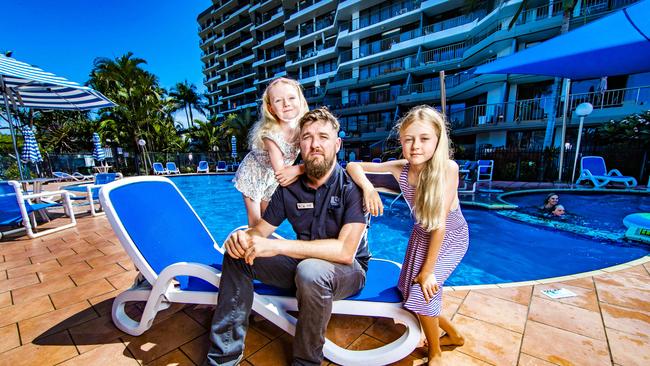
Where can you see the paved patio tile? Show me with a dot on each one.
(16, 313)
(55, 321)
(365, 342)
(63, 271)
(80, 293)
(197, 348)
(567, 317)
(450, 306)
(344, 329)
(563, 347)
(528, 360)
(277, 353)
(109, 354)
(160, 340)
(49, 351)
(504, 313)
(627, 349)
(83, 277)
(18, 282)
(175, 358)
(627, 291)
(9, 264)
(81, 256)
(5, 299)
(488, 342)
(50, 265)
(94, 333)
(122, 280)
(631, 321)
(520, 295)
(9, 337)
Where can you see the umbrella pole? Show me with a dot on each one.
(565, 111)
(11, 126)
(443, 93)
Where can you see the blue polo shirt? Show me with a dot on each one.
(320, 213)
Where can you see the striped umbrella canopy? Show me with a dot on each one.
(30, 87)
(30, 147)
(25, 86)
(98, 152)
(233, 144)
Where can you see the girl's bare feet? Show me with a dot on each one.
(448, 340)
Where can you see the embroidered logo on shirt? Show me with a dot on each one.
(305, 205)
(335, 201)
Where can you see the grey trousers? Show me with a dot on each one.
(317, 283)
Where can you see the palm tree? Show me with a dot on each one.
(140, 105)
(186, 97)
(237, 125)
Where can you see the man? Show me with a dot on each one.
(327, 262)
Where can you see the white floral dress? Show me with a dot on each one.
(255, 177)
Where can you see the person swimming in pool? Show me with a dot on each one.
(558, 211)
(551, 200)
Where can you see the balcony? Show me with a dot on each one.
(274, 56)
(320, 52)
(364, 99)
(268, 18)
(384, 13)
(610, 104)
(299, 11)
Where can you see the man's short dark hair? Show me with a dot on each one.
(321, 114)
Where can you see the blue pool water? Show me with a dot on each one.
(501, 250)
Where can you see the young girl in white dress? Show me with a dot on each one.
(274, 147)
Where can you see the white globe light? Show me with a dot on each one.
(141, 142)
(584, 109)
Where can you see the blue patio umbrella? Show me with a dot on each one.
(618, 44)
(98, 152)
(30, 152)
(233, 144)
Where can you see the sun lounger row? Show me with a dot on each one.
(203, 167)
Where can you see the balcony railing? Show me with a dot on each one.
(364, 99)
(383, 13)
(302, 5)
(433, 84)
(445, 53)
(539, 108)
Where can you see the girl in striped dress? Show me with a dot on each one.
(428, 179)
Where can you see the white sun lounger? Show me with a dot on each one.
(167, 240)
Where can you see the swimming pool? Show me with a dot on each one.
(501, 250)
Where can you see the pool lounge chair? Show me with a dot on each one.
(221, 166)
(76, 176)
(158, 169)
(172, 169)
(376, 160)
(203, 167)
(92, 190)
(17, 210)
(593, 169)
(138, 207)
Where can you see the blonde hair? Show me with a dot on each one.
(430, 189)
(268, 120)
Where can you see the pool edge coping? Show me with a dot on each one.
(545, 281)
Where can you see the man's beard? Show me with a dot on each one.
(317, 168)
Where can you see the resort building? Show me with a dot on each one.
(370, 61)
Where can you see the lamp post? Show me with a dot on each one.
(582, 110)
(142, 143)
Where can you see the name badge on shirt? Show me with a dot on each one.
(305, 205)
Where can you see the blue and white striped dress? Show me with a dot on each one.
(453, 248)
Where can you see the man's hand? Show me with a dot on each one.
(429, 285)
(260, 247)
(237, 244)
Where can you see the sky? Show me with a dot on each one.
(65, 36)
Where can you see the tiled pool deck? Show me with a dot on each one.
(56, 294)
